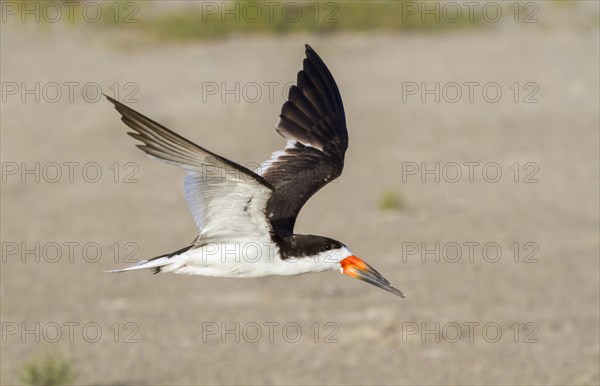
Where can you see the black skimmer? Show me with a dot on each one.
(246, 218)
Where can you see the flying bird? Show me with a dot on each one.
(246, 218)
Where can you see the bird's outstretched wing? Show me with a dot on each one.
(314, 124)
(227, 201)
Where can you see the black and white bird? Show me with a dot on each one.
(246, 218)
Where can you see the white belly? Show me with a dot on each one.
(243, 259)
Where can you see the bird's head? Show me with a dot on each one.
(339, 255)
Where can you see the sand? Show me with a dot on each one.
(474, 318)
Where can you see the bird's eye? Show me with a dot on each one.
(328, 247)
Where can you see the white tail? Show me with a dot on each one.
(153, 263)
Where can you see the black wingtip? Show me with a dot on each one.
(115, 103)
(310, 51)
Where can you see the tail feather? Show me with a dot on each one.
(156, 262)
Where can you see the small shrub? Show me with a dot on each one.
(48, 370)
(391, 200)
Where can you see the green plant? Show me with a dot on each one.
(251, 17)
(391, 200)
(48, 370)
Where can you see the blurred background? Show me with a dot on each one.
(471, 183)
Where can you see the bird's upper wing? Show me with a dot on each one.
(227, 200)
(314, 124)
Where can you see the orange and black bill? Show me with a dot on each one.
(355, 267)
